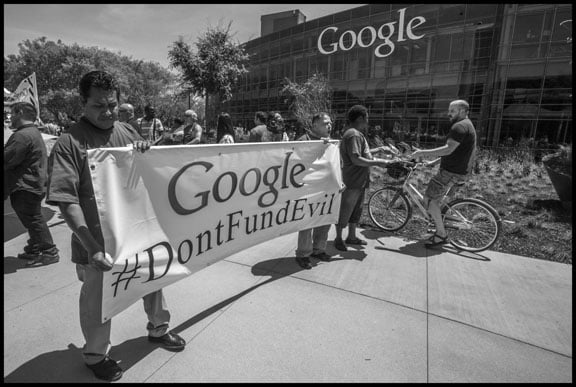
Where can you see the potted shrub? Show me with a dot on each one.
(559, 168)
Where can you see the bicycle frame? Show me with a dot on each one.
(414, 195)
(417, 198)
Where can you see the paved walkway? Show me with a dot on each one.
(390, 312)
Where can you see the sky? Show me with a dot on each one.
(142, 31)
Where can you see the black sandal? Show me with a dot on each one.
(436, 240)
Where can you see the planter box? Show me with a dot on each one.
(562, 184)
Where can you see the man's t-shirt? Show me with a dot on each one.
(354, 143)
(69, 178)
(150, 130)
(461, 160)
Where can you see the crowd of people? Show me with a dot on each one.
(63, 179)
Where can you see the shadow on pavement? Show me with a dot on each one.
(418, 250)
(56, 366)
(68, 366)
(260, 269)
(276, 268)
(13, 264)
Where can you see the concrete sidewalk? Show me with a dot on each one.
(389, 312)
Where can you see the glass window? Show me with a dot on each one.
(342, 16)
(476, 11)
(457, 47)
(482, 48)
(441, 48)
(427, 11)
(359, 12)
(380, 67)
(285, 47)
(311, 25)
(524, 51)
(527, 28)
(287, 69)
(563, 25)
(339, 67)
(326, 21)
(556, 68)
(526, 75)
(449, 14)
(398, 59)
(561, 45)
(365, 62)
(301, 69)
(379, 8)
(419, 49)
(358, 24)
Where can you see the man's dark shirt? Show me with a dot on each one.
(25, 161)
(460, 161)
(354, 142)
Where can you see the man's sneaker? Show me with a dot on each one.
(44, 259)
(170, 341)
(304, 262)
(29, 255)
(107, 369)
(340, 245)
(356, 241)
(322, 256)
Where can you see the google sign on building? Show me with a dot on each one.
(367, 36)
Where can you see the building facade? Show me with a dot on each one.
(405, 63)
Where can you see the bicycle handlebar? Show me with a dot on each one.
(411, 163)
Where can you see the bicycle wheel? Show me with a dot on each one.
(389, 208)
(471, 224)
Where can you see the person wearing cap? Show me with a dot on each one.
(25, 173)
(193, 130)
(150, 127)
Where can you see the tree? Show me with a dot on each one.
(308, 98)
(215, 68)
(59, 68)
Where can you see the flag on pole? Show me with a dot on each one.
(27, 92)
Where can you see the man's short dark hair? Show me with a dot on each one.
(319, 116)
(261, 116)
(27, 110)
(99, 80)
(356, 112)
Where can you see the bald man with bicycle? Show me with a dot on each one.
(456, 160)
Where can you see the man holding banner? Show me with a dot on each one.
(70, 187)
(312, 241)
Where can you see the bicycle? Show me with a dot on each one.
(472, 224)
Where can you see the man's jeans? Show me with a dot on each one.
(312, 241)
(27, 206)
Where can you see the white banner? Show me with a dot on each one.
(174, 210)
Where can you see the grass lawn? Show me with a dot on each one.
(520, 190)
